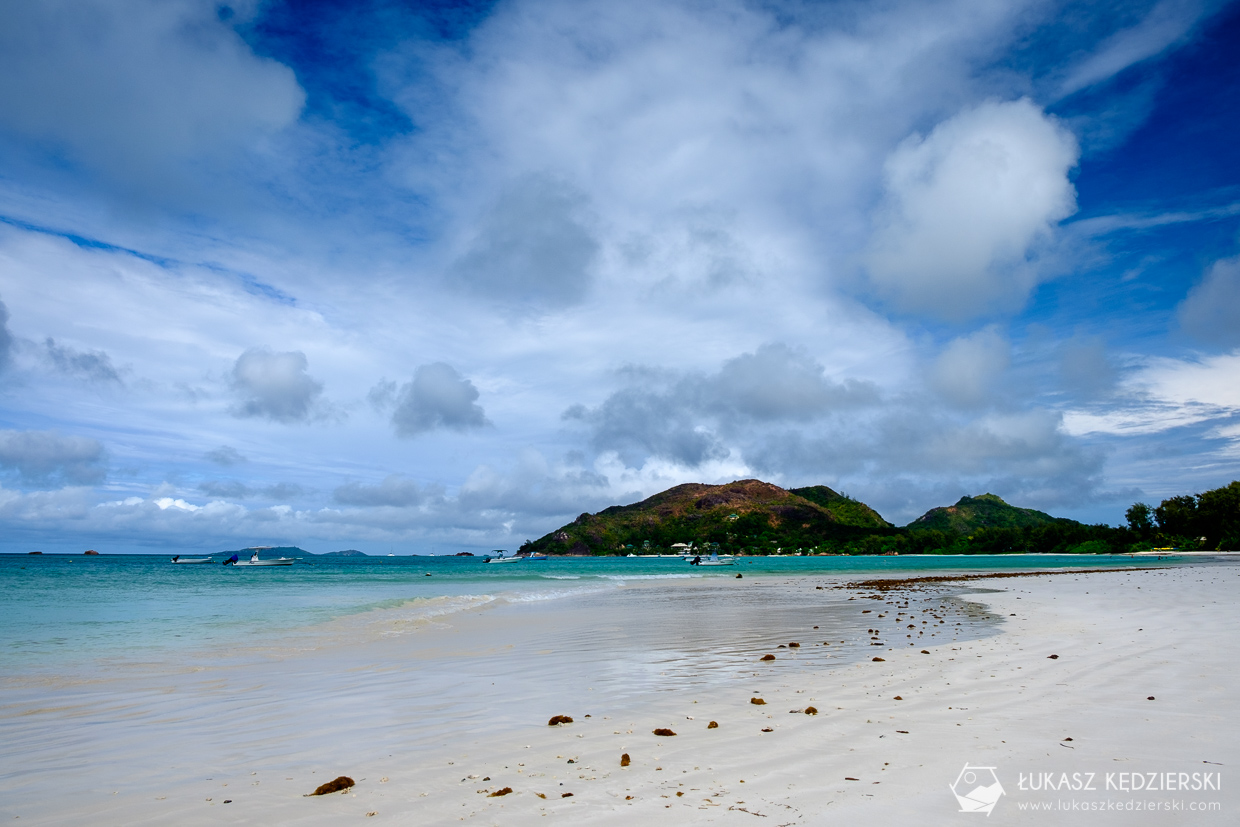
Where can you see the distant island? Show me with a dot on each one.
(294, 551)
(756, 517)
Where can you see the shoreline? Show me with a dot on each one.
(129, 608)
(373, 711)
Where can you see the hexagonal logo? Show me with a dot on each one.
(977, 789)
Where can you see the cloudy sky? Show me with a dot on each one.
(440, 276)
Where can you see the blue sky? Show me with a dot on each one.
(442, 276)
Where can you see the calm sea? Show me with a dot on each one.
(58, 609)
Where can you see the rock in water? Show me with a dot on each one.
(811, 710)
(664, 732)
(713, 725)
(556, 720)
(624, 760)
(757, 702)
(342, 783)
(767, 657)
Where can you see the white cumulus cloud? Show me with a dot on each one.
(274, 385)
(965, 205)
(438, 397)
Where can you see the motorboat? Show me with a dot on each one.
(255, 561)
(184, 561)
(516, 558)
(714, 560)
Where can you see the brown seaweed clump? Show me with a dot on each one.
(566, 795)
(767, 729)
(767, 657)
(342, 783)
(556, 720)
(624, 760)
(757, 702)
(498, 793)
(889, 583)
(713, 725)
(811, 710)
(794, 645)
(664, 731)
(879, 660)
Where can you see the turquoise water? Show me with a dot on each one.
(60, 608)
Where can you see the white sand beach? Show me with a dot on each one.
(431, 715)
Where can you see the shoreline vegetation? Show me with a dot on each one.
(756, 518)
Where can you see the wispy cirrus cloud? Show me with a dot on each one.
(1166, 24)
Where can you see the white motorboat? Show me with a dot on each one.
(255, 561)
(184, 561)
(714, 560)
(516, 558)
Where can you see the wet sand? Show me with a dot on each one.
(431, 713)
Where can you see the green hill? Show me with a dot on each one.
(744, 515)
(986, 511)
(847, 510)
